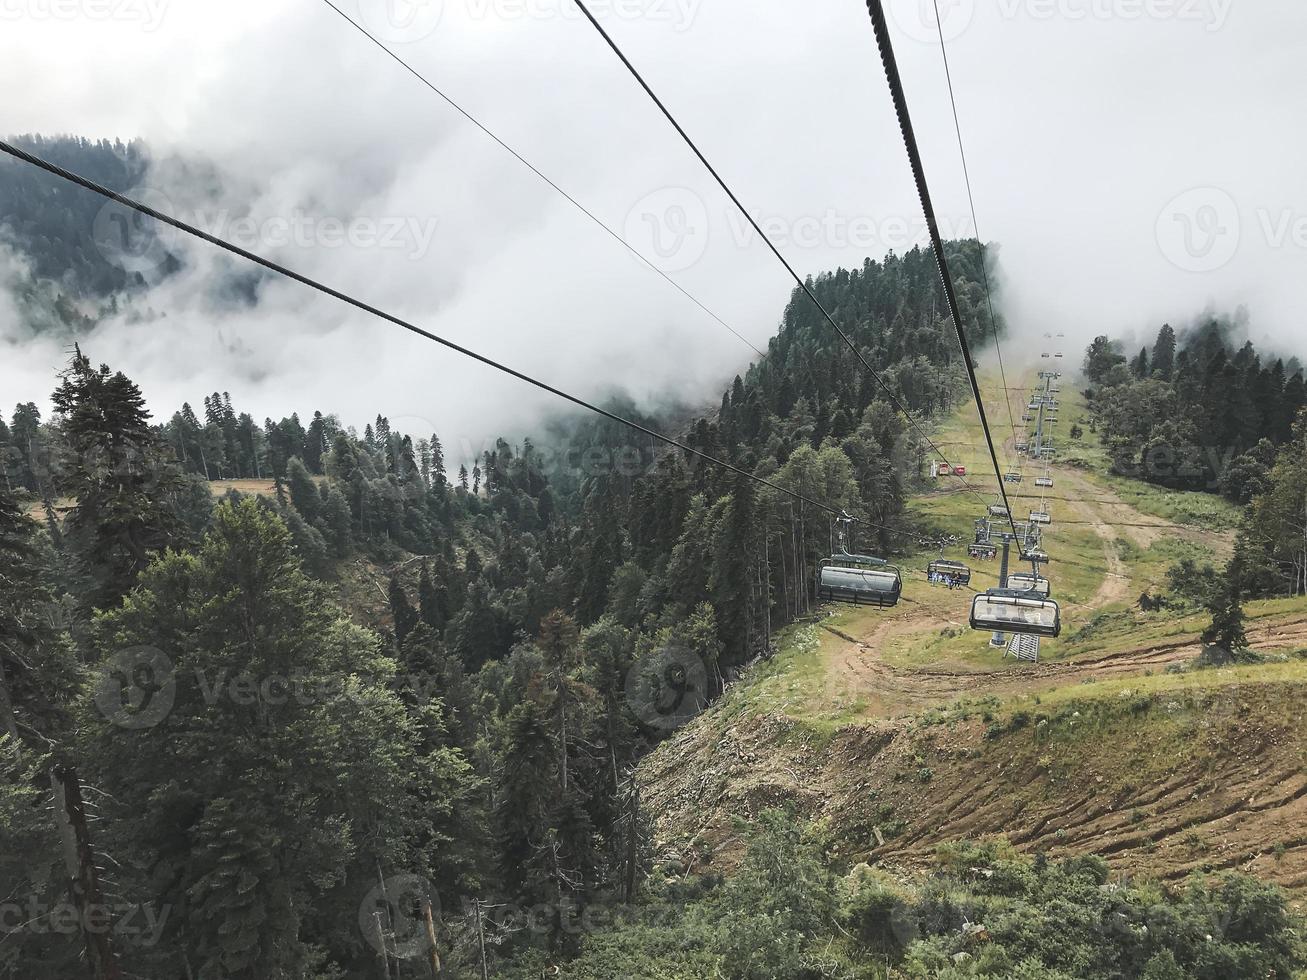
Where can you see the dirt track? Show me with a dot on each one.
(893, 691)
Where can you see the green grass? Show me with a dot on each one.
(803, 682)
(1205, 510)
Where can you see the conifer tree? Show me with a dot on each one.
(259, 656)
(117, 472)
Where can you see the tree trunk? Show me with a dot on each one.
(7, 706)
(83, 880)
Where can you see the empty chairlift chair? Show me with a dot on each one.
(1012, 477)
(858, 579)
(862, 585)
(999, 510)
(1041, 517)
(1043, 481)
(1010, 611)
(1029, 582)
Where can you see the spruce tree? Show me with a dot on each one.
(1225, 637)
(115, 469)
(280, 709)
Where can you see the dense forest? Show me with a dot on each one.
(230, 749)
(1195, 412)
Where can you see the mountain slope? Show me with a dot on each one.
(900, 730)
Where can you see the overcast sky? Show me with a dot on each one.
(1137, 160)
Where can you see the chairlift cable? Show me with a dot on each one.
(975, 222)
(368, 308)
(535, 170)
(748, 216)
(890, 64)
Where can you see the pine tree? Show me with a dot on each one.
(1164, 353)
(303, 490)
(260, 654)
(1225, 638)
(401, 610)
(558, 642)
(526, 801)
(432, 605)
(118, 473)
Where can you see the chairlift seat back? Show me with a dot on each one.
(1025, 582)
(861, 586)
(1007, 611)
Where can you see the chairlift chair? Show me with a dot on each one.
(1029, 582)
(1010, 611)
(858, 579)
(876, 585)
(1041, 517)
(982, 552)
(1011, 477)
(946, 569)
(1037, 557)
(999, 510)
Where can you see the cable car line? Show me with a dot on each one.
(1003, 610)
(748, 216)
(923, 191)
(975, 222)
(381, 314)
(535, 170)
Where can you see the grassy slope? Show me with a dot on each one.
(899, 729)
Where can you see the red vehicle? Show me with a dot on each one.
(944, 470)
(959, 471)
